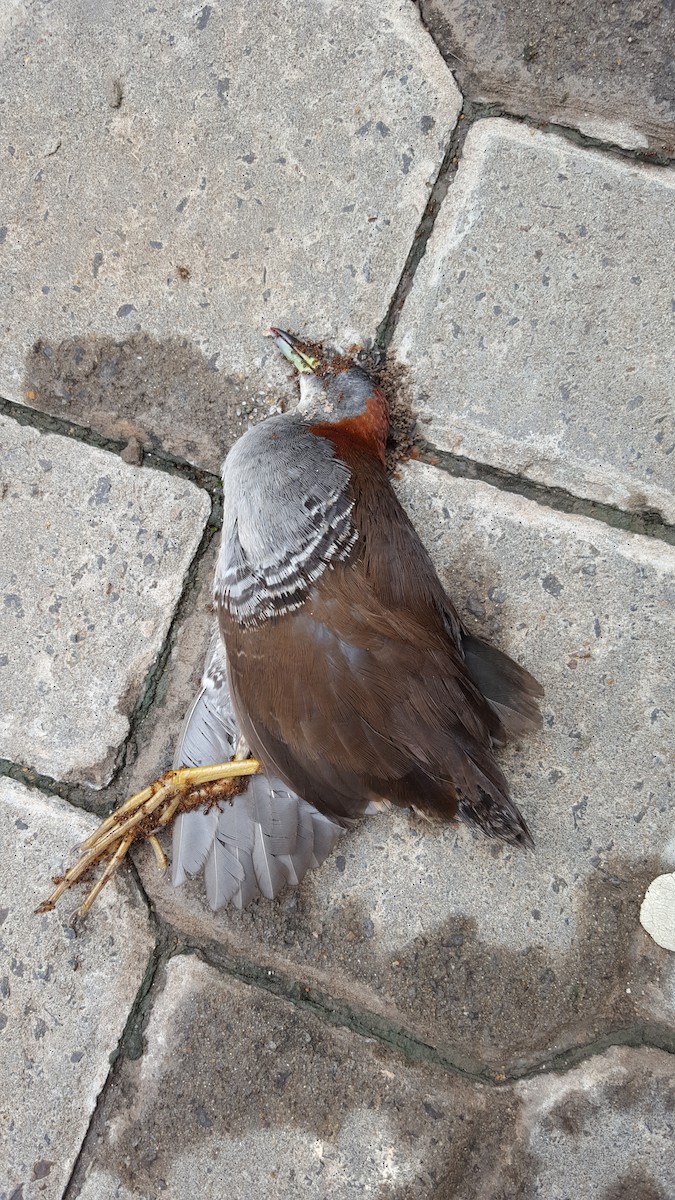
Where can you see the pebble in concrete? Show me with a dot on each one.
(539, 328)
(64, 998)
(240, 1093)
(606, 72)
(501, 958)
(254, 169)
(95, 554)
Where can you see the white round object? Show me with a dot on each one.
(657, 914)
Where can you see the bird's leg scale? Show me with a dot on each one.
(143, 814)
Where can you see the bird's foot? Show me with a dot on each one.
(143, 815)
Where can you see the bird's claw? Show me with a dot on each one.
(142, 816)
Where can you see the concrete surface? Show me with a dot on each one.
(606, 69)
(501, 959)
(428, 1015)
(604, 1129)
(203, 171)
(95, 555)
(64, 997)
(276, 1101)
(540, 326)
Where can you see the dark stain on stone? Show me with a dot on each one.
(547, 60)
(284, 1069)
(485, 1006)
(395, 380)
(204, 16)
(571, 1116)
(552, 585)
(158, 395)
(42, 1168)
(635, 1186)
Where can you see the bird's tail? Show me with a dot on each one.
(513, 694)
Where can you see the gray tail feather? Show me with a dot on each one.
(262, 840)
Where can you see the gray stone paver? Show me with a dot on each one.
(266, 1099)
(94, 556)
(540, 326)
(187, 177)
(283, 158)
(498, 957)
(64, 999)
(607, 70)
(604, 1129)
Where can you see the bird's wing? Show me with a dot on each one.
(363, 692)
(264, 838)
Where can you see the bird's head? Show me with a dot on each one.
(337, 399)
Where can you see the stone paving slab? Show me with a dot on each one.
(198, 173)
(95, 554)
(498, 958)
(540, 325)
(64, 998)
(605, 1129)
(243, 1094)
(155, 736)
(605, 69)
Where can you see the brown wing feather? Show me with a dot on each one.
(363, 693)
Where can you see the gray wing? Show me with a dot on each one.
(263, 839)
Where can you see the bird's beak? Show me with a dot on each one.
(294, 351)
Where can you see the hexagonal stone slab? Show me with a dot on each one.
(64, 997)
(95, 554)
(606, 72)
(240, 1093)
(503, 959)
(218, 171)
(539, 328)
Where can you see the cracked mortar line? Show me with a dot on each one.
(79, 794)
(170, 943)
(156, 461)
(372, 1026)
(647, 522)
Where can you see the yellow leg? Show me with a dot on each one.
(160, 857)
(153, 808)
